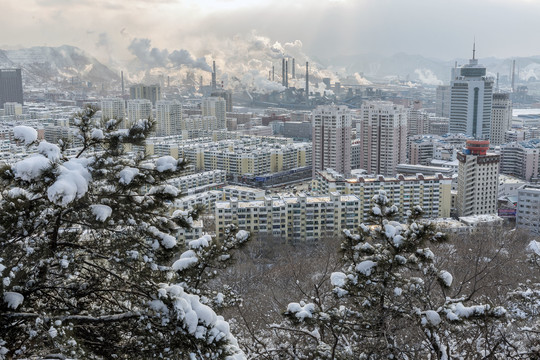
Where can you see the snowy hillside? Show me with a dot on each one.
(49, 64)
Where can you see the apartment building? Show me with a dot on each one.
(478, 179)
(431, 193)
(528, 209)
(293, 219)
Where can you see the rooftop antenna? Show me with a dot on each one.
(474, 48)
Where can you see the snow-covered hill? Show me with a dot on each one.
(50, 64)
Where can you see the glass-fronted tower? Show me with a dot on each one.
(471, 94)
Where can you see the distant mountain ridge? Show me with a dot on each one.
(46, 65)
(43, 64)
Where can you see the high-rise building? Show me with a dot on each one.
(521, 159)
(442, 101)
(528, 208)
(331, 138)
(478, 179)
(417, 122)
(11, 89)
(138, 109)
(168, 118)
(215, 106)
(383, 133)
(227, 95)
(149, 92)
(501, 117)
(114, 109)
(471, 96)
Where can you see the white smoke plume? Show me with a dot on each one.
(361, 80)
(243, 61)
(321, 88)
(530, 71)
(154, 57)
(427, 77)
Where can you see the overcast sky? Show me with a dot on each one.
(442, 29)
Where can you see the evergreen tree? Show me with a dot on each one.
(390, 301)
(89, 258)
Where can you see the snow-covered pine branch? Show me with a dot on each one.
(87, 251)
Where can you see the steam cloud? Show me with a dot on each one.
(154, 57)
(243, 61)
(427, 77)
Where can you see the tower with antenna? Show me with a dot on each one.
(471, 96)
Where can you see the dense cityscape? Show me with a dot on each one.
(465, 152)
(250, 201)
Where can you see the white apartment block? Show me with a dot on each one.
(168, 118)
(384, 137)
(292, 219)
(206, 198)
(208, 180)
(478, 180)
(183, 236)
(12, 109)
(242, 193)
(431, 193)
(521, 159)
(138, 109)
(199, 122)
(114, 109)
(215, 106)
(331, 138)
(528, 208)
(250, 156)
(501, 117)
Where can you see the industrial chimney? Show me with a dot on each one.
(214, 75)
(307, 82)
(122, 75)
(283, 71)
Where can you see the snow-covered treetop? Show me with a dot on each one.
(88, 254)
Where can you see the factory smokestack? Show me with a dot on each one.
(214, 75)
(513, 74)
(287, 74)
(122, 76)
(269, 75)
(283, 71)
(272, 72)
(293, 70)
(168, 81)
(307, 82)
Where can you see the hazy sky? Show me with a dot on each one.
(441, 29)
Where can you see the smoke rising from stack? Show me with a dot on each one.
(154, 57)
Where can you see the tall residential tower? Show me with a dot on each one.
(501, 117)
(331, 136)
(384, 137)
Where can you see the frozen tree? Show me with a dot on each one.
(89, 259)
(391, 301)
